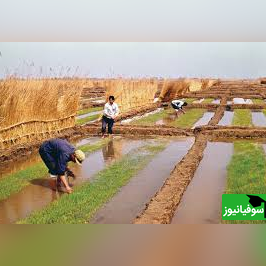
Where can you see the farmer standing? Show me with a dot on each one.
(178, 105)
(110, 112)
(56, 153)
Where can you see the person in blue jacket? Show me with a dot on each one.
(56, 153)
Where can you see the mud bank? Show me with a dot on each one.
(18, 151)
(162, 130)
(247, 106)
(217, 116)
(131, 199)
(232, 132)
(208, 185)
(208, 106)
(162, 206)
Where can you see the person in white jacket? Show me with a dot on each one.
(177, 105)
(110, 112)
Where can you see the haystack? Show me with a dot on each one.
(36, 109)
(172, 88)
(263, 81)
(176, 88)
(132, 94)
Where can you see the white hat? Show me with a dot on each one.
(79, 156)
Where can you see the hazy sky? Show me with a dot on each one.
(225, 60)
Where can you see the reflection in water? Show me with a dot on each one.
(33, 197)
(112, 151)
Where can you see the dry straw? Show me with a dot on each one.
(173, 88)
(131, 94)
(33, 109)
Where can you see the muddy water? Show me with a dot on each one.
(201, 202)
(40, 192)
(199, 101)
(19, 165)
(91, 140)
(89, 114)
(258, 119)
(34, 158)
(227, 119)
(241, 101)
(167, 120)
(130, 201)
(216, 101)
(204, 120)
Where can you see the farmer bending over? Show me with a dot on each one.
(110, 112)
(56, 153)
(178, 105)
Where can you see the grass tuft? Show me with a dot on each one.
(258, 101)
(87, 119)
(242, 117)
(89, 110)
(246, 171)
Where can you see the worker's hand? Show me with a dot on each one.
(70, 173)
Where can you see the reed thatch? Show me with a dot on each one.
(175, 88)
(131, 94)
(263, 81)
(36, 109)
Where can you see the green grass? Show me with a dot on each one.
(242, 117)
(264, 111)
(246, 171)
(87, 119)
(189, 100)
(189, 119)
(89, 110)
(13, 183)
(208, 100)
(82, 204)
(150, 120)
(258, 101)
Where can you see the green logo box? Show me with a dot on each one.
(243, 206)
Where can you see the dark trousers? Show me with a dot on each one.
(48, 160)
(109, 122)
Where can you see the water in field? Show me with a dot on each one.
(201, 202)
(131, 199)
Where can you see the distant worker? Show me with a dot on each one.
(178, 106)
(56, 153)
(110, 112)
